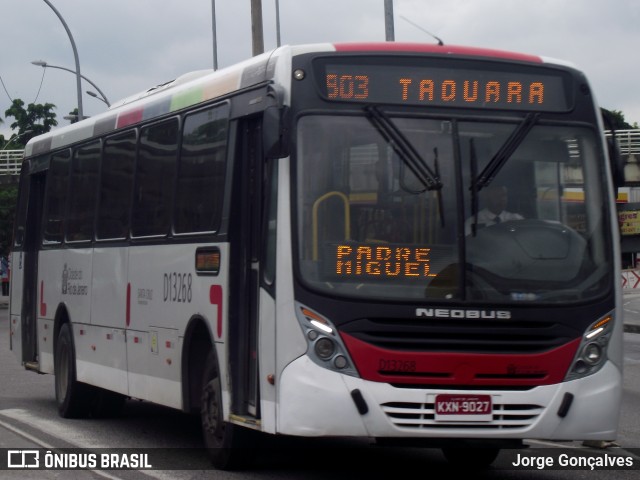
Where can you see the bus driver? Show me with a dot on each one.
(495, 211)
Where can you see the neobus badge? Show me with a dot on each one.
(458, 313)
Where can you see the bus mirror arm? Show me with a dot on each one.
(275, 124)
(275, 131)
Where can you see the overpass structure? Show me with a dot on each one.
(10, 163)
(628, 141)
(629, 147)
(628, 144)
(629, 210)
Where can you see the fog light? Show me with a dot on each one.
(340, 362)
(325, 348)
(580, 367)
(592, 353)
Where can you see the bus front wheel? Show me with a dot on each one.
(230, 446)
(72, 396)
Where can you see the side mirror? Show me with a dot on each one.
(275, 124)
(616, 163)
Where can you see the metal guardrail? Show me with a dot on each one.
(10, 161)
(628, 141)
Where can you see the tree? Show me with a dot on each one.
(8, 199)
(616, 117)
(73, 115)
(3, 142)
(38, 118)
(35, 119)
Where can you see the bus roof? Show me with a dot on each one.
(196, 87)
(436, 49)
(187, 90)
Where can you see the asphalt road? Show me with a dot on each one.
(28, 419)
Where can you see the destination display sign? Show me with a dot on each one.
(360, 261)
(445, 87)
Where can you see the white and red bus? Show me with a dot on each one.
(280, 246)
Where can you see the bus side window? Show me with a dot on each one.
(56, 197)
(201, 172)
(155, 175)
(116, 185)
(85, 166)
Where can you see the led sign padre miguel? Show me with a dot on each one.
(382, 261)
(445, 87)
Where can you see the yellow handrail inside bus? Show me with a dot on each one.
(314, 216)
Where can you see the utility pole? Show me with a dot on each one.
(277, 23)
(214, 34)
(257, 36)
(388, 21)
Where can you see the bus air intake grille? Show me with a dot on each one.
(453, 335)
(416, 416)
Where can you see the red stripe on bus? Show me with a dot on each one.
(43, 306)
(215, 297)
(437, 49)
(129, 118)
(128, 314)
(452, 368)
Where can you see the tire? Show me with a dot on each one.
(74, 399)
(471, 458)
(230, 446)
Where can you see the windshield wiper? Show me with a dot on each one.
(473, 166)
(436, 165)
(403, 147)
(504, 153)
(408, 154)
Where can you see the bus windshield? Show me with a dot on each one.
(370, 227)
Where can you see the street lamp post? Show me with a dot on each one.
(43, 64)
(75, 55)
(100, 97)
(13, 139)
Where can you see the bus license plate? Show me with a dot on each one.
(467, 408)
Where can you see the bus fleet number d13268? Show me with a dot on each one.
(177, 287)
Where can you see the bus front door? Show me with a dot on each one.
(245, 236)
(28, 230)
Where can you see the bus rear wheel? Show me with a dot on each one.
(73, 398)
(230, 446)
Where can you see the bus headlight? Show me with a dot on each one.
(324, 345)
(324, 348)
(592, 352)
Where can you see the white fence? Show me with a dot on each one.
(10, 161)
(628, 141)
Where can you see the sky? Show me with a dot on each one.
(127, 46)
